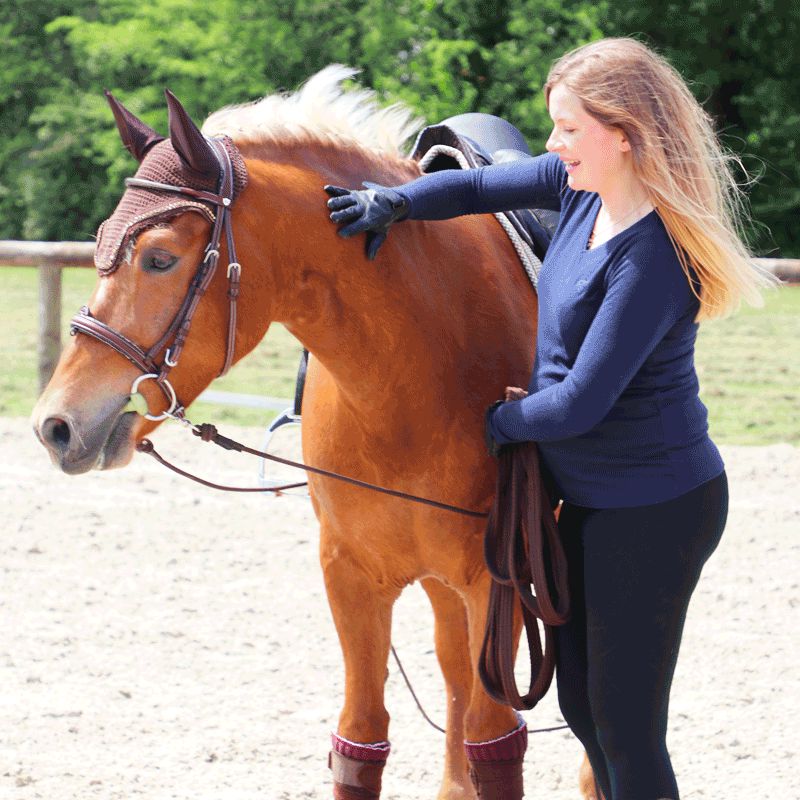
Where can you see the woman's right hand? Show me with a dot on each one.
(373, 210)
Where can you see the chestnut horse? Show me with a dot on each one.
(408, 352)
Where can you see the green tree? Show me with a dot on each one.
(61, 164)
(61, 174)
(742, 61)
(28, 66)
(448, 57)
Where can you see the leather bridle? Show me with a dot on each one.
(174, 338)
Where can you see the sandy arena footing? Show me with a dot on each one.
(162, 640)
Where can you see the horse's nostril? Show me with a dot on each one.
(55, 432)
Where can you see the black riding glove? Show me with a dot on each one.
(491, 445)
(373, 210)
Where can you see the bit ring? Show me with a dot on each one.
(170, 392)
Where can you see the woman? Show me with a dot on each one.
(645, 248)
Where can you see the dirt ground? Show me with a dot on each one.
(161, 640)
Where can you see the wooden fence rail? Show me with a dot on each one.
(51, 257)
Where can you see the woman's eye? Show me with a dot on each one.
(158, 261)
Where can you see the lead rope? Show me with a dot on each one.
(522, 548)
(439, 728)
(431, 722)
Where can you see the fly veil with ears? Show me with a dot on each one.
(186, 172)
(176, 161)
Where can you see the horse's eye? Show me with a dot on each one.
(158, 261)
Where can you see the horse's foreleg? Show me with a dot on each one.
(361, 605)
(452, 650)
(496, 738)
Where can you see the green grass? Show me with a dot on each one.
(748, 365)
(749, 372)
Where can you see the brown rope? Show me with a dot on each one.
(413, 693)
(522, 549)
(146, 446)
(438, 727)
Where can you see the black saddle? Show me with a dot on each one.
(476, 140)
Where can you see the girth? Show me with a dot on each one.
(172, 341)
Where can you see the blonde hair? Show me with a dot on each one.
(677, 156)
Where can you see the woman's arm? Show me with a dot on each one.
(529, 183)
(643, 301)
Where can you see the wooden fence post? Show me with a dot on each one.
(49, 257)
(49, 321)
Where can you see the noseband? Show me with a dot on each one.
(174, 338)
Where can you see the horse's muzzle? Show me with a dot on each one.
(76, 448)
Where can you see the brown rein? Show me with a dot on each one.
(209, 433)
(522, 548)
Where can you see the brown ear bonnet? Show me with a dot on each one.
(185, 159)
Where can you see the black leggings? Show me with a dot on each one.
(632, 572)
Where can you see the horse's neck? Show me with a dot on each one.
(439, 308)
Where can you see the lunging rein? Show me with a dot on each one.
(208, 433)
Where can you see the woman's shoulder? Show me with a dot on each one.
(645, 251)
(645, 244)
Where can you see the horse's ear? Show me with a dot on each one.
(137, 137)
(192, 147)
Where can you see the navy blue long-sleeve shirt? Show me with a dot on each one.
(613, 397)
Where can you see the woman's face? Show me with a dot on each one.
(593, 153)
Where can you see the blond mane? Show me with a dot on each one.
(322, 110)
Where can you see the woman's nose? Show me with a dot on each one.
(552, 144)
